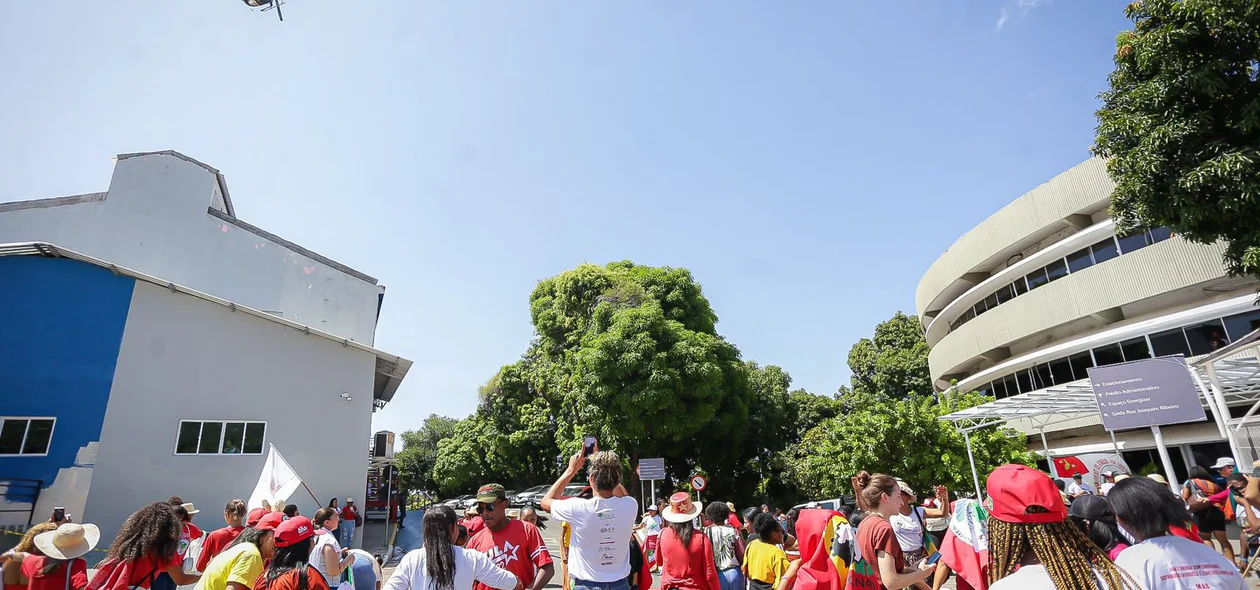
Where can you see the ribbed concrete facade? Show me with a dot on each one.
(1048, 269)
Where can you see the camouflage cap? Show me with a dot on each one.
(491, 493)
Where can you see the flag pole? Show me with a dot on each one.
(308, 490)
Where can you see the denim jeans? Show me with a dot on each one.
(345, 534)
(585, 585)
(731, 579)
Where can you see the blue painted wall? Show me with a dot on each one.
(61, 325)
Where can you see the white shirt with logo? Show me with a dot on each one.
(1174, 563)
(599, 547)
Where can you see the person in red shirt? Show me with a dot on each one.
(733, 518)
(473, 521)
(349, 519)
(287, 570)
(217, 541)
(686, 553)
(60, 564)
(512, 544)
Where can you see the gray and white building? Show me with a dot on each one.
(153, 344)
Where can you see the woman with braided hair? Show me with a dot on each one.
(1033, 546)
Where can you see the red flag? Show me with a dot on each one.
(1069, 466)
(966, 546)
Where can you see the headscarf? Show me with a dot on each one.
(966, 546)
(815, 530)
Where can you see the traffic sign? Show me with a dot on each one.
(698, 483)
(651, 469)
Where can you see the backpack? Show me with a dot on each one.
(114, 575)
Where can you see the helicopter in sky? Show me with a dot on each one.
(266, 5)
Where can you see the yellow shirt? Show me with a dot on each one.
(240, 564)
(765, 562)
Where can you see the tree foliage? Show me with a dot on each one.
(899, 436)
(894, 362)
(420, 453)
(1181, 124)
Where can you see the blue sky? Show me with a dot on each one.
(806, 160)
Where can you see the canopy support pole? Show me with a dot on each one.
(1045, 450)
(972, 459)
(1115, 446)
(1163, 457)
(1215, 386)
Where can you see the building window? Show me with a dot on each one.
(1108, 355)
(1206, 337)
(1135, 349)
(1061, 371)
(1104, 250)
(1080, 260)
(1170, 342)
(1056, 270)
(1020, 287)
(1081, 363)
(25, 435)
(1158, 234)
(215, 437)
(1239, 325)
(1036, 278)
(1133, 242)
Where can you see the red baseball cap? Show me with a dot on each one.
(295, 530)
(1015, 488)
(255, 515)
(270, 521)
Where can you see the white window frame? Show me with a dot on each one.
(27, 432)
(222, 432)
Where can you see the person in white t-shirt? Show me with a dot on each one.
(440, 564)
(599, 545)
(1079, 488)
(1109, 481)
(1161, 560)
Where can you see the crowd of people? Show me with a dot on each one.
(1031, 532)
(160, 548)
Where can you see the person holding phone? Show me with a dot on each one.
(594, 563)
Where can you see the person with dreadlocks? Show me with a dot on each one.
(147, 546)
(1146, 510)
(288, 569)
(1033, 546)
(439, 564)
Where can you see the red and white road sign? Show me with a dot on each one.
(698, 483)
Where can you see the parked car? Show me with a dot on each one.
(831, 504)
(573, 489)
(528, 496)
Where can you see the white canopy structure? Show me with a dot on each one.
(1233, 379)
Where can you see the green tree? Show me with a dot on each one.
(631, 354)
(894, 362)
(903, 437)
(420, 452)
(1181, 124)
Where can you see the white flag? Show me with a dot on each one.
(277, 482)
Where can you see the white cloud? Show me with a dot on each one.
(1018, 10)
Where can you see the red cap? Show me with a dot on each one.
(270, 522)
(1013, 488)
(255, 515)
(295, 530)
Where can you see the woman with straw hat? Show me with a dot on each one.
(12, 569)
(686, 553)
(61, 566)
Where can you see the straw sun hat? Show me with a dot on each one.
(69, 540)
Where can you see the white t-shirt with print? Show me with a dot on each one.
(599, 547)
(1028, 577)
(1174, 563)
(909, 529)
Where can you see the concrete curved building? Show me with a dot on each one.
(1044, 288)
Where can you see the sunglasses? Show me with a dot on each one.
(484, 508)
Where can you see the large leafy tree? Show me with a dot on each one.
(894, 362)
(902, 436)
(631, 354)
(1181, 124)
(420, 452)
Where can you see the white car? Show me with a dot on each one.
(529, 496)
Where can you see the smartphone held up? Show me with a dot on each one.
(588, 446)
